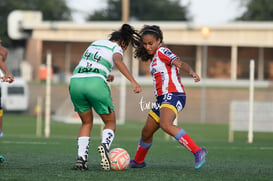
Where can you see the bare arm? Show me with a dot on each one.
(3, 55)
(185, 67)
(3, 52)
(123, 69)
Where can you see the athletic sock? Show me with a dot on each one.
(184, 139)
(83, 146)
(142, 150)
(107, 137)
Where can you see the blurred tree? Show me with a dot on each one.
(51, 9)
(257, 10)
(144, 10)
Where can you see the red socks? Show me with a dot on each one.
(182, 137)
(187, 142)
(140, 154)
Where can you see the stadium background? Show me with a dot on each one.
(220, 54)
(29, 156)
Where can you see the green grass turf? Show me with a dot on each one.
(32, 158)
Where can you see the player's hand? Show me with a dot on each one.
(195, 77)
(8, 78)
(137, 88)
(110, 78)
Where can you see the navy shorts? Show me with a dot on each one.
(174, 101)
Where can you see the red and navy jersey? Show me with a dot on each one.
(165, 75)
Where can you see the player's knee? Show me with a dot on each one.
(165, 126)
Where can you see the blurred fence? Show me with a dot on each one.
(219, 96)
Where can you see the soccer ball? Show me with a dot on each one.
(119, 159)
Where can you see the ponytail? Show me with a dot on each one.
(126, 35)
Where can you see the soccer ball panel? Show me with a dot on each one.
(119, 159)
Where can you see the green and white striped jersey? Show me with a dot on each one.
(97, 60)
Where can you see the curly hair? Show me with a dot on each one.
(154, 30)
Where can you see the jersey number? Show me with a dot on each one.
(95, 57)
(167, 96)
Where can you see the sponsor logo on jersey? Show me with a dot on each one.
(153, 71)
(168, 53)
(87, 70)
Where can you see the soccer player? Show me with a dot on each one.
(88, 89)
(8, 77)
(170, 95)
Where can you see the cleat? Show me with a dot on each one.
(200, 158)
(81, 164)
(134, 164)
(105, 162)
(2, 159)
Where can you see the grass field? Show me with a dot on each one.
(31, 158)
